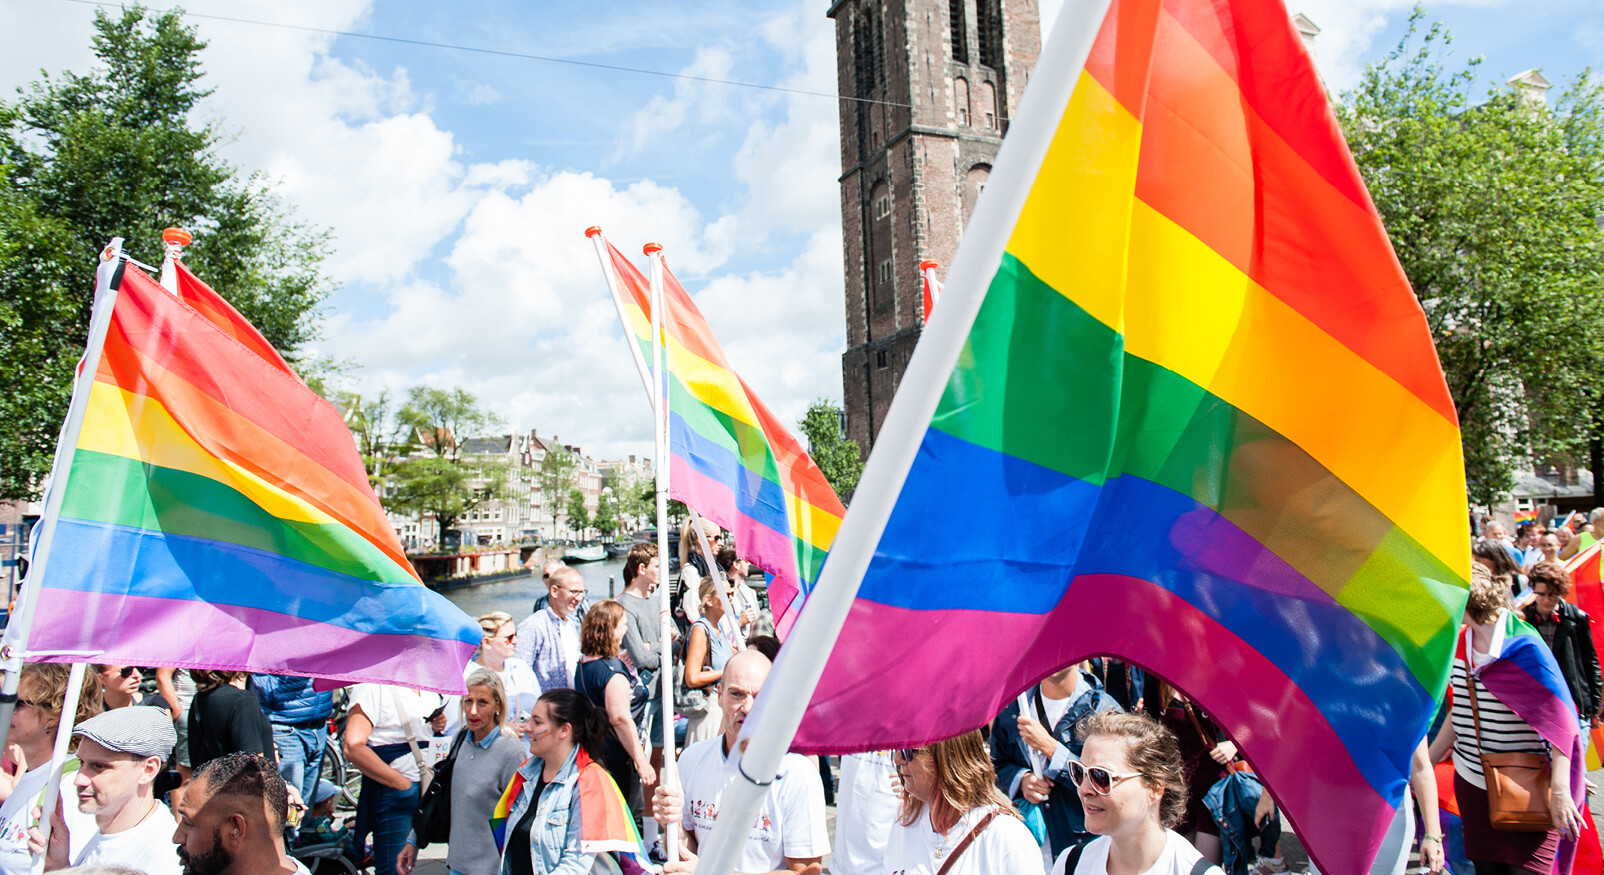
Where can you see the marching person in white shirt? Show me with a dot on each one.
(789, 834)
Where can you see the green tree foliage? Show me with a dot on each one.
(438, 420)
(605, 521)
(371, 421)
(1493, 209)
(120, 152)
(578, 514)
(435, 478)
(556, 479)
(840, 459)
(35, 365)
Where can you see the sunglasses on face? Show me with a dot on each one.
(126, 672)
(906, 754)
(1103, 781)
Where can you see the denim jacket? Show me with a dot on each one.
(554, 835)
(1231, 801)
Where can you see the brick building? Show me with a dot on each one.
(928, 88)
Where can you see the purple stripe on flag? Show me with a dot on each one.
(1100, 614)
(142, 630)
(774, 552)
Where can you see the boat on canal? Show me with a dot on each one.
(590, 551)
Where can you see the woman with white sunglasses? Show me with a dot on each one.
(1132, 789)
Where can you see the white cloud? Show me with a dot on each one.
(693, 101)
(475, 93)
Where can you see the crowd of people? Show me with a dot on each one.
(1098, 768)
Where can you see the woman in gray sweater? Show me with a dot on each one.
(485, 763)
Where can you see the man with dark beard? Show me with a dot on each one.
(231, 819)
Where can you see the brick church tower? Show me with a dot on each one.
(927, 89)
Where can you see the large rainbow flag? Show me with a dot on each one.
(730, 457)
(216, 515)
(1178, 405)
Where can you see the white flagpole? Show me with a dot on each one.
(594, 232)
(175, 239)
(778, 712)
(670, 776)
(14, 644)
(58, 759)
(737, 642)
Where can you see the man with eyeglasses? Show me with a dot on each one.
(789, 834)
(549, 639)
(1034, 744)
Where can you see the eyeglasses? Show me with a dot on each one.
(43, 706)
(906, 754)
(510, 638)
(127, 671)
(1103, 781)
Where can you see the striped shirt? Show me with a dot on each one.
(1501, 730)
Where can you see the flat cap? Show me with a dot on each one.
(137, 730)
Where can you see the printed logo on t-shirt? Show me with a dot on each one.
(704, 813)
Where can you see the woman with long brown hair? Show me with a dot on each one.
(609, 686)
(953, 818)
(226, 718)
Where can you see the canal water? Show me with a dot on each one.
(517, 596)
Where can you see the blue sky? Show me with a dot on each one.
(458, 185)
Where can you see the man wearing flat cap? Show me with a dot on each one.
(118, 821)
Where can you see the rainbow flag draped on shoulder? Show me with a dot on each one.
(214, 513)
(1178, 405)
(1522, 674)
(731, 458)
(605, 823)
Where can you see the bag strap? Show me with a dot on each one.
(968, 840)
(1210, 737)
(1201, 866)
(1475, 712)
(406, 726)
(1073, 861)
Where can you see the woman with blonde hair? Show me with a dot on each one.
(495, 655)
(484, 758)
(693, 566)
(1132, 787)
(41, 694)
(954, 820)
(706, 652)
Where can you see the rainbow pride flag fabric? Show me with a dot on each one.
(605, 825)
(731, 458)
(216, 515)
(1178, 405)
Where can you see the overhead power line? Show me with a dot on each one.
(500, 53)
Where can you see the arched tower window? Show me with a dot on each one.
(960, 99)
(988, 106)
(974, 184)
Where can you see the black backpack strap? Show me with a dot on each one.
(1073, 859)
(1201, 866)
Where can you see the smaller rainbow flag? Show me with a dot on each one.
(1525, 516)
(730, 457)
(208, 488)
(605, 824)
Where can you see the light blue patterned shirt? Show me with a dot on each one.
(550, 645)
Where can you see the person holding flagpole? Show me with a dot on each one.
(41, 693)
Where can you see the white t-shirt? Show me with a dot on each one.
(379, 702)
(790, 823)
(1177, 858)
(147, 847)
(16, 815)
(1005, 845)
(866, 807)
